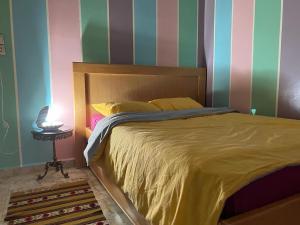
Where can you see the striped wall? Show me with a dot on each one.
(251, 49)
(44, 37)
(252, 52)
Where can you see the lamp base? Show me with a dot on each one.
(58, 167)
(51, 126)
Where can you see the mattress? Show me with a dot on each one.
(183, 171)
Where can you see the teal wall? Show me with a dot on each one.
(32, 71)
(9, 144)
(24, 81)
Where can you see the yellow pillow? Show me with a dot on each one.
(166, 104)
(109, 108)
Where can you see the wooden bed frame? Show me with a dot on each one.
(94, 83)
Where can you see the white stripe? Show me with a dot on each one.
(279, 61)
(197, 39)
(49, 51)
(178, 27)
(80, 30)
(108, 31)
(156, 31)
(16, 81)
(133, 31)
(230, 64)
(213, 67)
(251, 75)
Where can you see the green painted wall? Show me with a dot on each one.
(9, 147)
(94, 31)
(266, 56)
(188, 28)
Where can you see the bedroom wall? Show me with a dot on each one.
(252, 55)
(44, 37)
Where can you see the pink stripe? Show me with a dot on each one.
(167, 32)
(242, 29)
(65, 45)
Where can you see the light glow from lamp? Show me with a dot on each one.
(54, 113)
(53, 116)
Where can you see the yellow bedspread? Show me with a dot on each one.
(180, 172)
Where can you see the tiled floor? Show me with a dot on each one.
(25, 179)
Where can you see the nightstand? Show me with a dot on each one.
(54, 135)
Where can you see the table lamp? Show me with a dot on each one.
(47, 119)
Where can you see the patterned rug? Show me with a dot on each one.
(70, 203)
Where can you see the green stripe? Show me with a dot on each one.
(188, 33)
(145, 32)
(94, 31)
(9, 149)
(265, 56)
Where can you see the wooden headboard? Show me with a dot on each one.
(95, 83)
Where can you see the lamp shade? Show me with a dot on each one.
(46, 120)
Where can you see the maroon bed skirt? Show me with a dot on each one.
(268, 189)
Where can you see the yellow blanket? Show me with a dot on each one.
(180, 172)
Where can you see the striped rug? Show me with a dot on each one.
(68, 204)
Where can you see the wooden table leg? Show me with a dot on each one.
(40, 177)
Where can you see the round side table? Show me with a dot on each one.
(54, 135)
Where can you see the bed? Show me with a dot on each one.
(94, 83)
